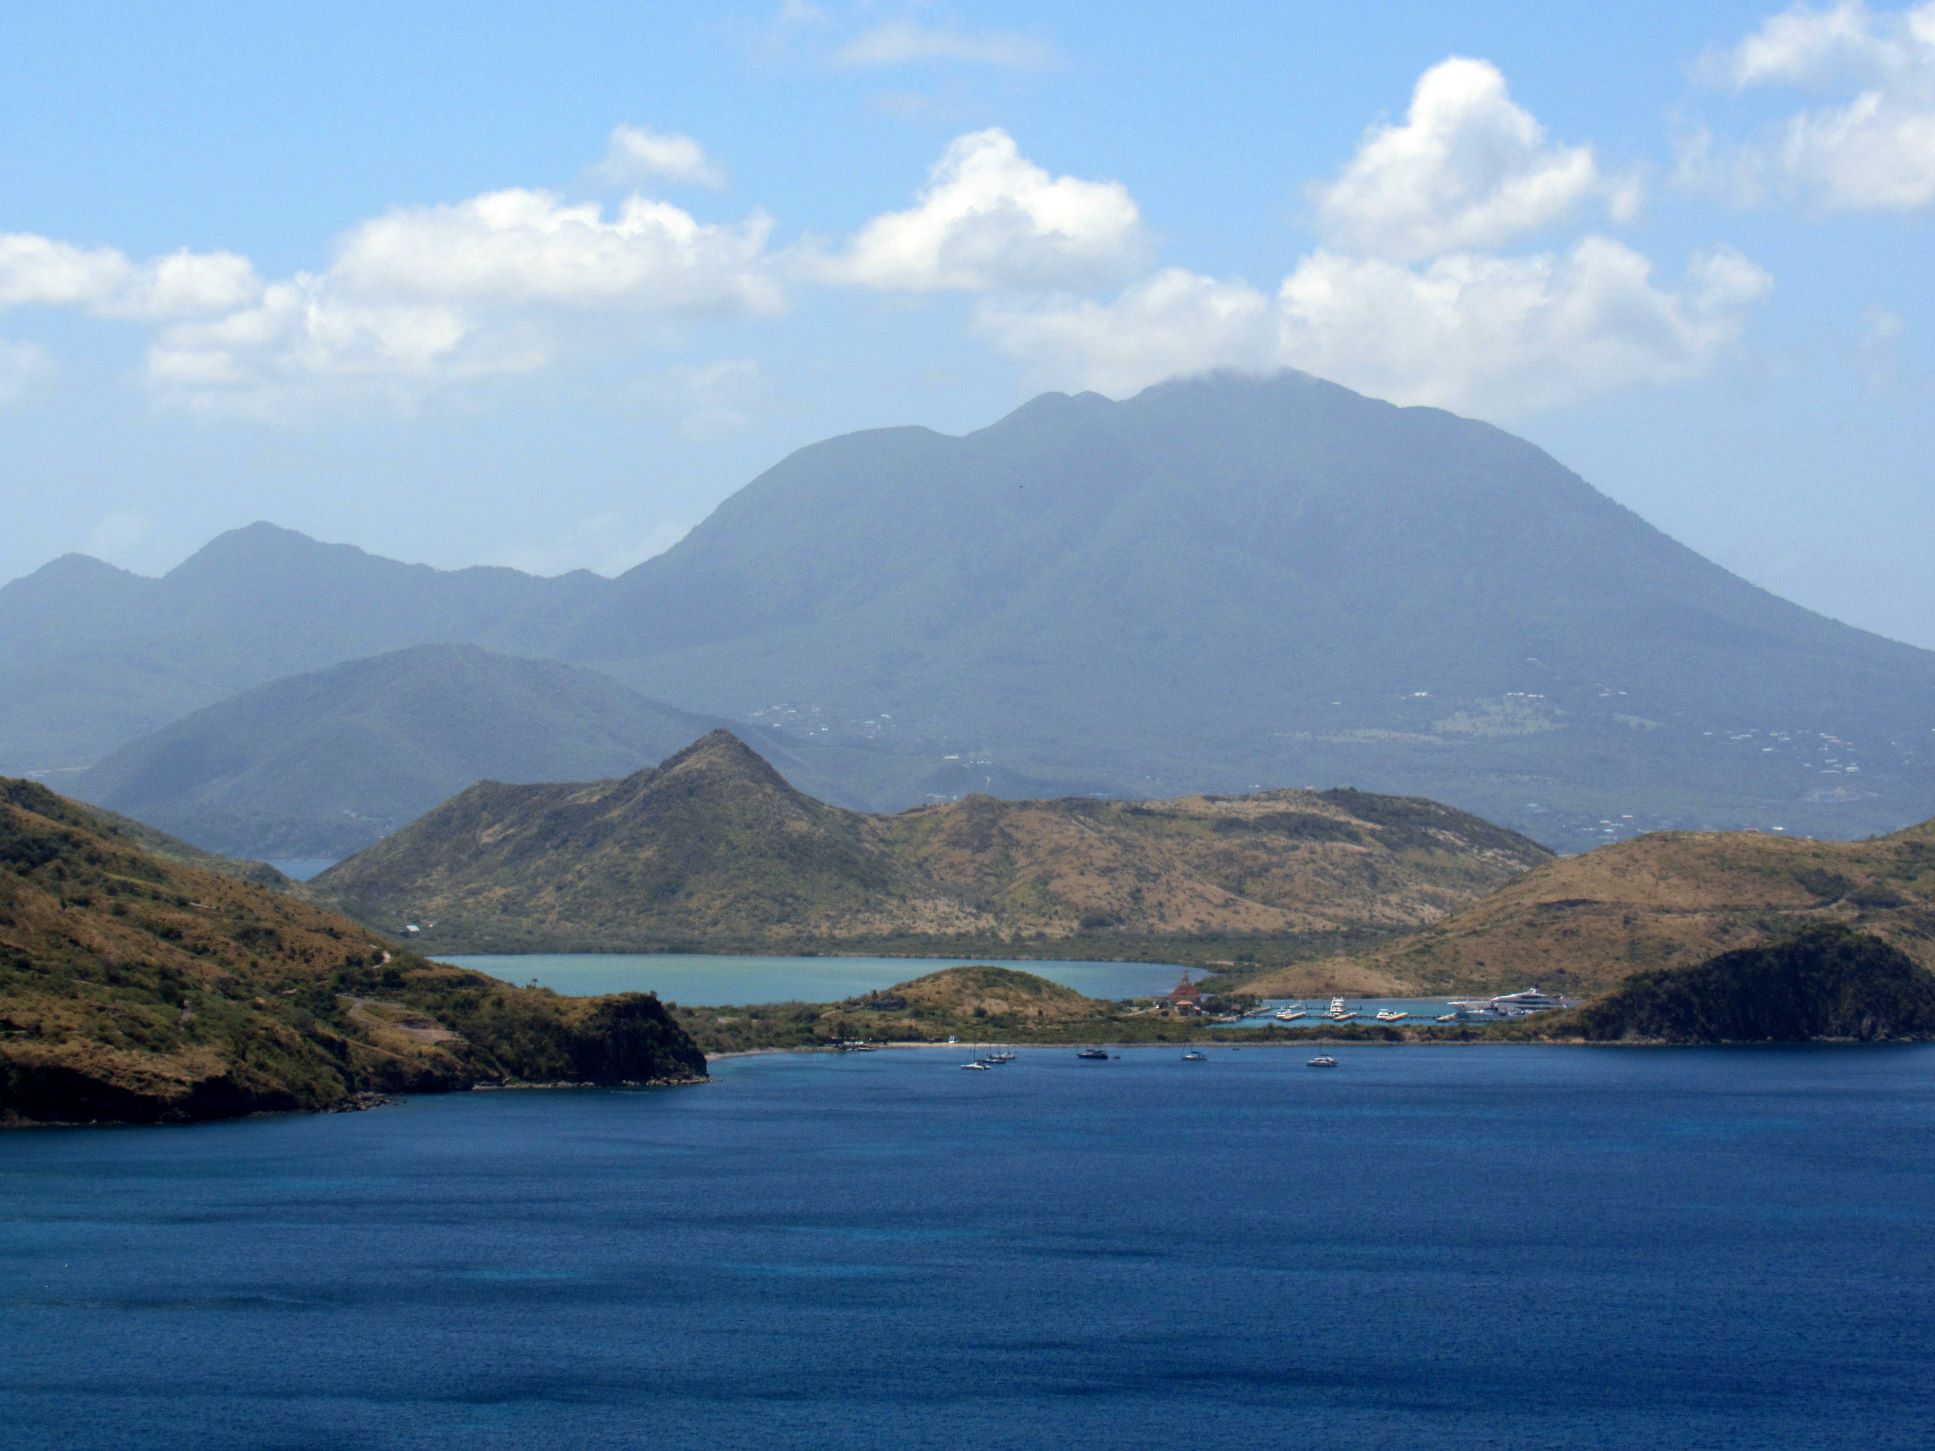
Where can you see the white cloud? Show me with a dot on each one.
(23, 367)
(39, 271)
(531, 247)
(638, 153)
(1466, 168)
(991, 220)
(905, 42)
(1873, 150)
(1502, 337)
(429, 296)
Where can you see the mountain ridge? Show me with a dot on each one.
(713, 850)
(1220, 583)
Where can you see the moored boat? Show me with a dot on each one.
(1093, 1053)
(1322, 1060)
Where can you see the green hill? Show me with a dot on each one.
(714, 851)
(1825, 983)
(139, 988)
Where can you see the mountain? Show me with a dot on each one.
(1824, 984)
(1225, 581)
(1664, 901)
(322, 764)
(714, 850)
(92, 657)
(136, 988)
(1220, 584)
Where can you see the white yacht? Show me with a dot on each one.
(1388, 1015)
(976, 1067)
(1290, 1014)
(1513, 1005)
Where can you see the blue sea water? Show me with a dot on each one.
(722, 979)
(1425, 1247)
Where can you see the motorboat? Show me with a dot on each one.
(1290, 1014)
(1388, 1015)
(1322, 1060)
(1002, 1055)
(1194, 1056)
(1336, 1006)
(1093, 1053)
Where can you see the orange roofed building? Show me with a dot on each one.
(1185, 998)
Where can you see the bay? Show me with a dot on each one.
(1446, 1247)
(719, 980)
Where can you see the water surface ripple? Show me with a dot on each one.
(1460, 1247)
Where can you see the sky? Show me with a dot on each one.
(542, 285)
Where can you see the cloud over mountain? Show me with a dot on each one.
(989, 219)
(1466, 168)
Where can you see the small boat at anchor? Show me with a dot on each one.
(1195, 1056)
(976, 1067)
(1093, 1053)
(1322, 1060)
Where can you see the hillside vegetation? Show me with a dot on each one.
(138, 988)
(1584, 923)
(1825, 983)
(714, 851)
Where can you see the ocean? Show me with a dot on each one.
(1424, 1247)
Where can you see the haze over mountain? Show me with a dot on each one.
(714, 851)
(1227, 580)
(320, 765)
(92, 656)
(1221, 583)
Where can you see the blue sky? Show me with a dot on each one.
(542, 285)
